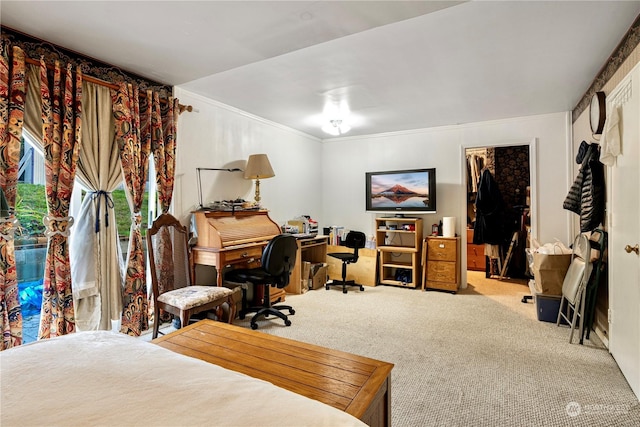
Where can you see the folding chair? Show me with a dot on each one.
(574, 284)
(599, 242)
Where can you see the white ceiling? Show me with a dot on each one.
(399, 65)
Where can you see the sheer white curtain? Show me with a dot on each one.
(96, 259)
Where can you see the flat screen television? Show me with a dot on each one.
(401, 191)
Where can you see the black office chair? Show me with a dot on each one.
(356, 241)
(278, 259)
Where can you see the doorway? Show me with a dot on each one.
(511, 167)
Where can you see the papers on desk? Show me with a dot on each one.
(303, 235)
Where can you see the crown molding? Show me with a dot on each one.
(624, 49)
(179, 91)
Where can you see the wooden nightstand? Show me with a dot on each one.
(442, 269)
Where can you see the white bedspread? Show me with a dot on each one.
(104, 378)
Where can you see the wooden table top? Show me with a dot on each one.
(343, 380)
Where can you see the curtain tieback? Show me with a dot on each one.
(108, 201)
(136, 220)
(57, 225)
(8, 227)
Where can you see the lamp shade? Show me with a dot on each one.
(258, 167)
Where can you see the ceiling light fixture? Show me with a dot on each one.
(336, 127)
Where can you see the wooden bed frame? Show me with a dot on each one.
(357, 385)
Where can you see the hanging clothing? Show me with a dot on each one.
(611, 138)
(475, 163)
(586, 196)
(489, 227)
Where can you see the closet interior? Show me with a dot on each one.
(508, 214)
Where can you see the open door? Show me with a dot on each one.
(510, 166)
(623, 199)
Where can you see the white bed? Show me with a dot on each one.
(104, 378)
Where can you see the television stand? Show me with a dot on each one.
(399, 244)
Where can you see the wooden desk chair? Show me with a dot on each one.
(171, 279)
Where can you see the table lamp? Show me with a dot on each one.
(258, 167)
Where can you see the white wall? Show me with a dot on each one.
(347, 160)
(217, 136)
(326, 179)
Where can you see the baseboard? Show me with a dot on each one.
(602, 334)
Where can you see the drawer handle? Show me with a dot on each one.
(245, 254)
(441, 245)
(243, 261)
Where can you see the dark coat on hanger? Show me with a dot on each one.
(586, 196)
(489, 226)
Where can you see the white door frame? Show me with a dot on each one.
(533, 183)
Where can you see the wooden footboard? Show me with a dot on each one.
(357, 385)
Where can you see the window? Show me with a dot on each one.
(30, 242)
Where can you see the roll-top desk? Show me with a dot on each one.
(231, 239)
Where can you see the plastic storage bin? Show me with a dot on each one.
(547, 307)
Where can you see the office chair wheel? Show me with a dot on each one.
(362, 288)
(326, 287)
(287, 322)
(344, 291)
(292, 311)
(241, 315)
(254, 326)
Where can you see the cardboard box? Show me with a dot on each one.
(319, 275)
(301, 286)
(362, 272)
(304, 285)
(305, 280)
(299, 224)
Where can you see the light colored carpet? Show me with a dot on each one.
(477, 358)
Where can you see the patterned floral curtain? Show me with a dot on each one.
(163, 146)
(61, 129)
(12, 96)
(134, 155)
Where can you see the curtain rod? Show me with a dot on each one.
(181, 108)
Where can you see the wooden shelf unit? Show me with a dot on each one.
(399, 244)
